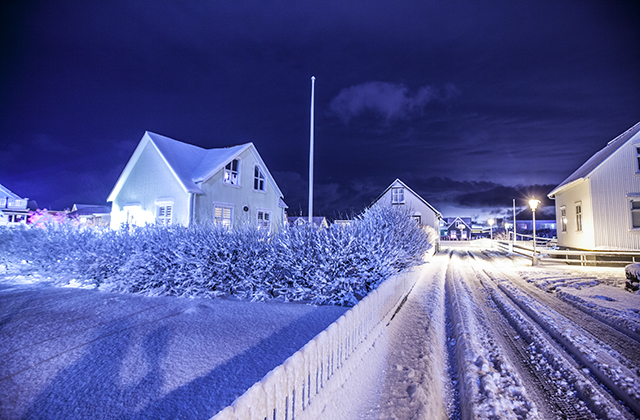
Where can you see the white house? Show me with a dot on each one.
(167, 181)
(598, 206)
(399, 194)
(13, 208)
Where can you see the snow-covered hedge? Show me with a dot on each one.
(337, 266)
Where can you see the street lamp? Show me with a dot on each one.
(533, 203)
(491, 221)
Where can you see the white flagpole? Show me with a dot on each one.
(313, 81)
(514, 221)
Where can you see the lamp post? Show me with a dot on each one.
(491, 221)
(533, 203)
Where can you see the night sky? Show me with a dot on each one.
(471, 103)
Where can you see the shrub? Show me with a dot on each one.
(338, 265)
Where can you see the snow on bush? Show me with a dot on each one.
(338, 266)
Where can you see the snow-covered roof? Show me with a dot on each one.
(455, 221)
(596, 160)
(5, 192)
(89, 209)
(399, 182)
(189, 163)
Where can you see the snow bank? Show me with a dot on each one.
(304, 386)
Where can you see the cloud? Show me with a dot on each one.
(388, 100)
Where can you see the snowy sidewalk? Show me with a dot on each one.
(76, 354)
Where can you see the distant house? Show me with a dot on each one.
(457, 228)
(170, 182)
(13, 208)
(318, 221)
(598, 205)
(91, 214)
(399, 194)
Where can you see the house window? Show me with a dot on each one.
(231, 173)
(563, 218)
(397, 195)
(223, 216)
(258, 179)
(635, 214)
(163, 214)
(579, 216)
(264, 220)
(638, 158)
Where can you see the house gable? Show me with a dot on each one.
(169, 158)
(399, 184)
(587, 168)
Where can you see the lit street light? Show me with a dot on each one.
(533, 203)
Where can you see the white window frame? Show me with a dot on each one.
(259, 179)
(164, 214)
(263, 219)
(232, 176)
(219, 218)
(397, 195)
(563, 219)
(578, 206)
(635, 211)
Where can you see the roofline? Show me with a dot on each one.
(255, 152)
(458, 218)
(630, 132)
(438, 214)
(146, 139)
(561, 188)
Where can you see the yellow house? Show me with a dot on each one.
(167, 181)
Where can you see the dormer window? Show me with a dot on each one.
(231, 173)
(397, 195)
(258, 179)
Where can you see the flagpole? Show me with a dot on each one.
(313, 81)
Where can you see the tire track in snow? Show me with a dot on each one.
(559, 365)
(489, 386)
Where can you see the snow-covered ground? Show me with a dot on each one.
(69, 353)
(482, 335)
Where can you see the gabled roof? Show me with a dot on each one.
(451, 221)
(5, 192)
(190, 164)
(596, 160)
(395, 183)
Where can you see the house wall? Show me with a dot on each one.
(239, 197)
(415, 204)
(612, 183)
(573, 238)
(149, 180)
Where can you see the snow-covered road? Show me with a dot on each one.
(483, 336)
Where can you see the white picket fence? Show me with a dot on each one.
(300, 388)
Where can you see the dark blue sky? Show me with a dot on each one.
(471, 103)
